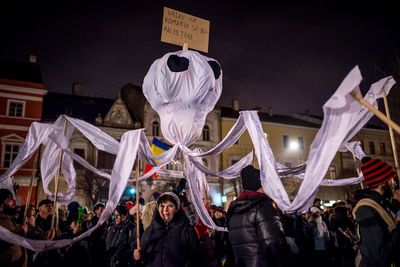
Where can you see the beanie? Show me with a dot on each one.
(376, 172)
(250, 178)
(4, 194)
(170, 197)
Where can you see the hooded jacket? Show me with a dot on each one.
(255, 231)
(378, 246)
(173, 244)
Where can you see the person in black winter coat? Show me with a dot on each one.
(343, 235)
(223, 246)
(304, 238)
(379, 237)
(255, 231)
(118, 239)
(96, 242)
(170, 240)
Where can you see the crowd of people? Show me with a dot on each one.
(361, 231)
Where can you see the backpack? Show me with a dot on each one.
(388, 218)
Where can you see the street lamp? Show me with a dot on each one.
(294, 145)
(132, 190)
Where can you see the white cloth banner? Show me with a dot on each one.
(126, 157)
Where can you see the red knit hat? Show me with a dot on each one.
(376, 172)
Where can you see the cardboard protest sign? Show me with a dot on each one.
(179, 28)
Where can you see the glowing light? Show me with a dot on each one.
(294, 145)
(132, 191)
(223, 199)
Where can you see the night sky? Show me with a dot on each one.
(290, 57)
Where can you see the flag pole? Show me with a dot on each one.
(29, 196)
(57, 180)
(394, 149)
(137, 204)
(358, 171)
(376, 111)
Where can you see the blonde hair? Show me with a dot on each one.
(148, 212)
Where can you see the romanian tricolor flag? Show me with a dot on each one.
(157, 147)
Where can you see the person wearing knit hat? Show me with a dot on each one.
(376, 172)
(255, 231)
(170, 229)
(169, 196)
(379, 233)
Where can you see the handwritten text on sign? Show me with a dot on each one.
(179, 28)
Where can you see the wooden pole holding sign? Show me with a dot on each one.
(394, 148)
(358, 171)
(376, 111)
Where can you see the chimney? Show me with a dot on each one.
(270, 111)
(76, 88)
(235, 104)
(32, 59)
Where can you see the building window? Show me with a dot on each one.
(285, 141)
(301, 142)
(81, 153)
(205, 162)
(206, 133)
(15, 108)
(155, 128)
(9, 155)
(105, 160)
(383, 148)
(332, 172)
(371, 147)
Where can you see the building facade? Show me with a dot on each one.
(21, 103)
(290, 138)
